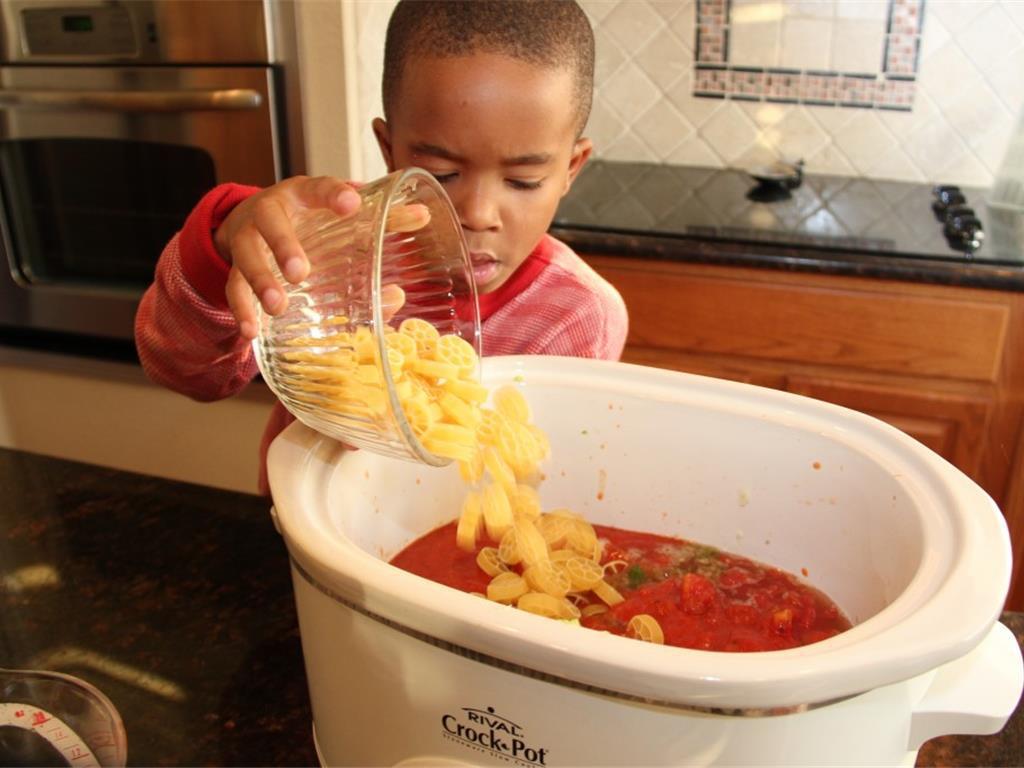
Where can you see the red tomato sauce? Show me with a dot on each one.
(701, 596)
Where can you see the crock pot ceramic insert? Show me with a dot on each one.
(900, 539)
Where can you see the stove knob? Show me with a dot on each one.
(947, 197)
(964, 231)
(954, 214)
(943, 190)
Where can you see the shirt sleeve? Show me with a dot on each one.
(186, 336)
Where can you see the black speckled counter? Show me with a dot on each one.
(175, 600)
(829, 224)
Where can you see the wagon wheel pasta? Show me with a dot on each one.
(645, 627)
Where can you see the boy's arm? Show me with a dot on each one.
(186, 336)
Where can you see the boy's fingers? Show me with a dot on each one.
(239, 296)
(328, 192)
(276, 229)
(408, 218)
(392, 297)
(251, 260)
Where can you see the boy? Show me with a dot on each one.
(491, 96)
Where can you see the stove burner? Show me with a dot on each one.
(961, 225)
(769, 193)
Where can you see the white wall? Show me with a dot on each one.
(110, 414)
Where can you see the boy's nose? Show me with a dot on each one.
(477, 211)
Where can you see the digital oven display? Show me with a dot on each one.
(76, 23)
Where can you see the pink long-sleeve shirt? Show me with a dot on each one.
(188, 340)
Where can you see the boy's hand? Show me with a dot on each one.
(264, 224)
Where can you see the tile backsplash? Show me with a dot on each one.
(960, 66)
(955, 75)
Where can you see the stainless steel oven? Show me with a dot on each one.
(115, 118)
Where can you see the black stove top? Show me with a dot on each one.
(822, 212)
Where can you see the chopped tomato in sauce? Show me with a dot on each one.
(701, 596)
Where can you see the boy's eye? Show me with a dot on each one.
(520, 184)
(444, 177)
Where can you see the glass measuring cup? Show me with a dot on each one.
(327, 357)
(49, 718)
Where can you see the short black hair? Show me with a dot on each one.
(553, 33)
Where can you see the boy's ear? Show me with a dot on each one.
(580, 154)
(383, 133)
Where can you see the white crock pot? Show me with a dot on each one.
(404, 671)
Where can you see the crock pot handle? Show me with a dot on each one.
(975, 694)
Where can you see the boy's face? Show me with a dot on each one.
(500, 135)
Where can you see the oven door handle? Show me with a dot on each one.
(228, 99)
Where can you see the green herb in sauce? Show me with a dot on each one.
(636, 576)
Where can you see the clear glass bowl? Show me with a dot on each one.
(49, 718)
(347, 305)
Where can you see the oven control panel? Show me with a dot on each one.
(144, 32)
(102, 30)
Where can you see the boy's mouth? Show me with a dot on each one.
(485, 267)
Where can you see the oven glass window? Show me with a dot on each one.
(96, 212)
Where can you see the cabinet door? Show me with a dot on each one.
(950, 423)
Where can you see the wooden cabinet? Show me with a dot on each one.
(943, 363)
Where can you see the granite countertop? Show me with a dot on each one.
(176, 601)
(829, 225)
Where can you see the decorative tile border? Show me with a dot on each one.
(892, 88)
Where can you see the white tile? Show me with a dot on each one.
(797, 135)
(857, 46)
(1007, 82)
(765, 114)
(662, 128)
(608, 56)
(756, 11)
(754, 44)
(696, 109)
(947, 74)
(932, 147)
(957, 14)
(683, 23)
(629, 148)
(597, 10)
(990, 148)
(629, 91)
(966, 170)
(829, 161)
(903, 123)
(814, 9)
(976, 114)
(729, 132)
(695, 151)
(934, 34)
(664, 58)
(1016, 10)
(865, 10)
(759, 154)
(990, 38)
(632, 24)
(863, 138)
(667, 9)
(895, 164)
(806, 43)
(831, 119)
(604, 126)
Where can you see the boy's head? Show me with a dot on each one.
(492, 97)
